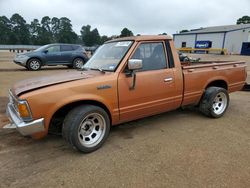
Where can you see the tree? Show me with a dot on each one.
(244, 20)
(184, 30)
(45, 34)
(34, 29)
(126, 32)
(66, 33)
(5, 30)
(104, 38)
(90, 38)
(20, 30)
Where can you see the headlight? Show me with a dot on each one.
(23, 109)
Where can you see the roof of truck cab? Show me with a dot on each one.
(144, 37)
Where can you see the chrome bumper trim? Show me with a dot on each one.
(25, 128)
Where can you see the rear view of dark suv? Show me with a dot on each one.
(71, 55)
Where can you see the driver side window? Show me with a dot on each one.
(152, 55)
(53, 49)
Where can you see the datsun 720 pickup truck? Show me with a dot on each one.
(126, 79)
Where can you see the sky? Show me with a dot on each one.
(140, 16)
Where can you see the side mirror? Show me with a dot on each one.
(134, 64)
(45, 51)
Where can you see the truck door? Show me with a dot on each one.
(154, 90)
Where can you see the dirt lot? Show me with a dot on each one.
(176, 149)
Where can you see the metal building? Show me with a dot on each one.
(234, 38)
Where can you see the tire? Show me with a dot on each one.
(34, 64)
(78, 63)
(214, 102)
(86, 128)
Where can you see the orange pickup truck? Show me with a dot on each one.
(126, 79)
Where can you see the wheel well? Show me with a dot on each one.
(57, 119)
(80, 58)
(35, 58)
(218, 83)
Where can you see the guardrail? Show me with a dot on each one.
(222, 51)
(18, 47)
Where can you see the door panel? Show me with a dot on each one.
(155, 90)
(53, 55)
(152, 94)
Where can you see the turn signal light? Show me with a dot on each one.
(23, 110)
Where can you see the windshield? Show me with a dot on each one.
(108, 56)
(41, 48)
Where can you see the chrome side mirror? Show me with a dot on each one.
(134, 64)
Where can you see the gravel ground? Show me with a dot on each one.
(175, 149)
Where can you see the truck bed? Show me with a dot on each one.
(196, 75)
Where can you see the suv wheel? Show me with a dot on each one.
(78, 63)
(34, 64)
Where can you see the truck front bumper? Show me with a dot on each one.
(25, 128)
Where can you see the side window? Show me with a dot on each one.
(53, 49)
(170, 54)
(152, 55)
(65, 48)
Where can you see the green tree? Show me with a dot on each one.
(244, 20)
(34, 29)
(5, 30)
(126, 32)
(184, 30)
(45, 34)
(66, 33)
(104, 38)
(90, 38)
(55, 28)
(20, 30)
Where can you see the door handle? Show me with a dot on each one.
(168, 79)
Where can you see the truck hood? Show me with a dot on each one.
(40, 82)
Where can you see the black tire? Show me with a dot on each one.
(34, 64)
(78, 63)
(214, 102)
(80, 128)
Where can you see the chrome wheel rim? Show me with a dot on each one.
(78, 63)
(34, 64)
(220, 103)
(91, 130)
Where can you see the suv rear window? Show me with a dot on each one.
(66, 48)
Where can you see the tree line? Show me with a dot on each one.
(15, 30)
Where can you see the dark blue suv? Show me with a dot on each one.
(71, 55)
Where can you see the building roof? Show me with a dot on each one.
(216, 29)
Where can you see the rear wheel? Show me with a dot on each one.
(214, 102)
(78, 63)
(34, 64)
(86, 128)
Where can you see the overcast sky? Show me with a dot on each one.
(140, 16)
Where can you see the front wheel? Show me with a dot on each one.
(214, 102)
(78, 63)
(86, 128)
(34, 64)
